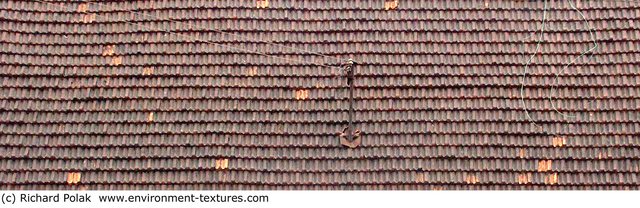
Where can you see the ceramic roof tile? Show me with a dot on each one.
(439, 95)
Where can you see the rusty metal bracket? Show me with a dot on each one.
(350, 136)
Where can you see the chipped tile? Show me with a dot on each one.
(544, 165)
(551, 179)
(390, 4)
(147, 70)
(73, 178)
(302, 94)
(88, 17)
(83, 7)
(559, 141)
(522, 153)
(471, 178)
(150, 117)
(524, 178)
(262, 3)
(108, 50)
(115, 60)
(419, 177)
(252, 71)
(222, 164)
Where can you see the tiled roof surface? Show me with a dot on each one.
(93, 96)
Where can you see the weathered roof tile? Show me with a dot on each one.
(438, 93)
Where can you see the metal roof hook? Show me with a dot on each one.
(350, 136)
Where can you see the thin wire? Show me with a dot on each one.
(208, 42)
(219, 31)
(590, 50)
(542, 128)
(526, 67)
